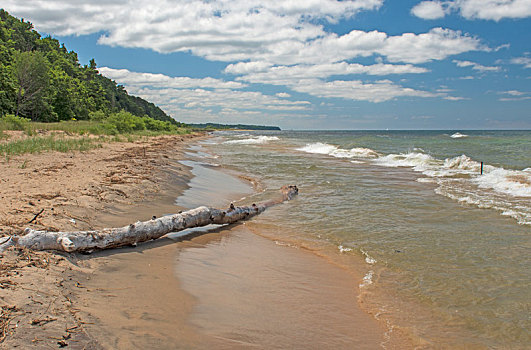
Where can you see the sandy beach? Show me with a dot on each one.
(227, 289)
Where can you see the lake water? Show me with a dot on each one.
(443, 247)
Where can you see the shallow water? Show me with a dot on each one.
(250, 291)
(445, 248)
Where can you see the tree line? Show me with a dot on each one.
(41, 80)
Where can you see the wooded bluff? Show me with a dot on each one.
(43, 81)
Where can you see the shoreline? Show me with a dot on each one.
(127, 279)
(39, 288)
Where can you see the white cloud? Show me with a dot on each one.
(474, 9)
(437, 44)
(229, 27)
(494, 9)
(271, 42)
(512, 93)
(283, 95)
(127, 77)
(454, 98)
(476, 66)
(199, 97)
(287, 75)
(524, 61)
(378, 91)
(310, 79)
(429, 10)
(508, 99)
(271, 32)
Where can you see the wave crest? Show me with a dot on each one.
(334, 151)
(253, 140)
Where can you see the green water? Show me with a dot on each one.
(446, 248)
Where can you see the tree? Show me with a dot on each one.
(32, 77)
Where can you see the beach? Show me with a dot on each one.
(74, 189)
(225, 288)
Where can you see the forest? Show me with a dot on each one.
(42, 81)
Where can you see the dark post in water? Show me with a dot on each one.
(481, 168)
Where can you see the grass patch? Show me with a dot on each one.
(120, 123)
(37, 144)
(117, 127)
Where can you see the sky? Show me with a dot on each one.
(308, 64)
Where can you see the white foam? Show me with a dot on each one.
(367, 279)
(512, 182)
(427, 180)
(253, 140)
(334, 151)
(417, 160)
(318, 148)
(455, 166)
(458, 135)
(368, 259)
(343, 249)
(459, 178)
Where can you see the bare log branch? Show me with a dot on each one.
(36, 216)
(80, 241)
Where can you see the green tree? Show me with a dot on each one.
(32, 78)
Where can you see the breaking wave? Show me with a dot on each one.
(253, 140)
(334, 151)
(458, 135)
(460, 178)
(497, 188)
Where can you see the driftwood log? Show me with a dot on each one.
(82, 241)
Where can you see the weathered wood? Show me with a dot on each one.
(79, 241)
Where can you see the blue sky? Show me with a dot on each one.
(312, 64)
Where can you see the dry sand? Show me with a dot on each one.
(71, 191)
(226, 289)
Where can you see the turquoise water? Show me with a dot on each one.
(445, 249)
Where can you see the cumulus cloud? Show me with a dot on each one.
(182, 25)
(474, 9)
(129, 78)
(175, 94)
(266, 42)
(476, 66)
(285, 75)
(524, 61)
(429, 10)
(239, 30)
(283, 95)
(379, 91)
(437, 44)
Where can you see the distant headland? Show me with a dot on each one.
(215, 126)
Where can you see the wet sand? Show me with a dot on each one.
(225, 289)
(252, 293)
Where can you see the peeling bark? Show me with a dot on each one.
(80, 241)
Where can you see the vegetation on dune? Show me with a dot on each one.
(75, 135)
(42, 81)
(57, 103)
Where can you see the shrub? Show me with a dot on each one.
(157, 125)
(97, 115)
(125, 122)
(13, 122)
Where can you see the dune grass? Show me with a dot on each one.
(38, 144)
(78, 135)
